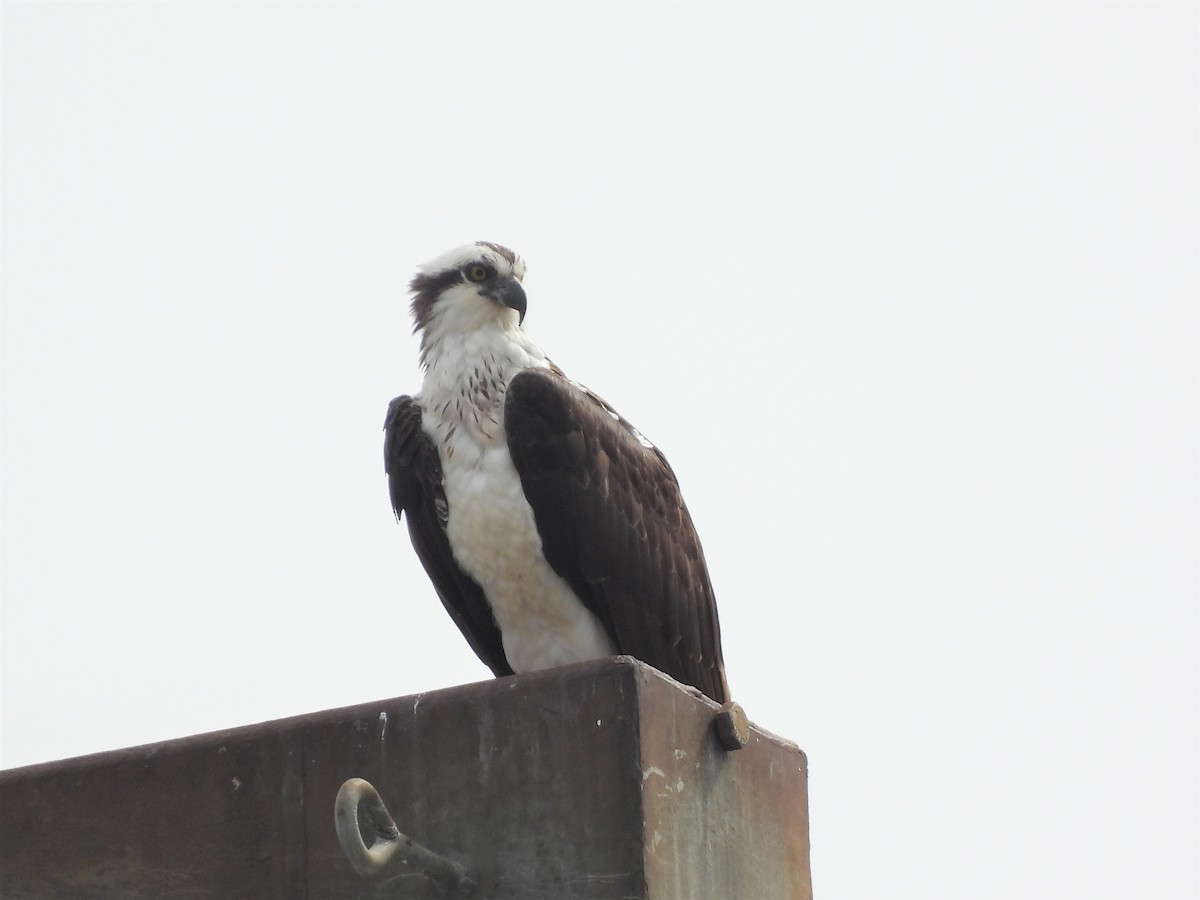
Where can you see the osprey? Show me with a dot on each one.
(552, 530)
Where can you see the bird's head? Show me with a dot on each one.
(469, 288)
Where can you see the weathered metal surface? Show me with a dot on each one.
(719, 824)
(602, 780)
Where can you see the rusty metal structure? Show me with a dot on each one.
(597, 781)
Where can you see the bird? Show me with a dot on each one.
(552, 530)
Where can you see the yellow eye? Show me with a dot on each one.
(477, 273)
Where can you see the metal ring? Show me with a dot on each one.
(357, 794)
(366, 860)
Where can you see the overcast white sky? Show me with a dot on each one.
(907, 294)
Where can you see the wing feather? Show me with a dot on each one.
(415, 482)
(614, 526)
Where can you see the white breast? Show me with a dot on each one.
(491, 527)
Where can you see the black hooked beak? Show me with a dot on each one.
(508, 292)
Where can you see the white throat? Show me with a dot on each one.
(467, 375)
(490, 525)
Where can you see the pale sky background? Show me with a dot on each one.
(906, 293)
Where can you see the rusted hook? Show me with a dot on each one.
(358, 794)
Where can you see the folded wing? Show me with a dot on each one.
(415, 483)
(614, 526)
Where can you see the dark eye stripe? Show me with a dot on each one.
(427, 288)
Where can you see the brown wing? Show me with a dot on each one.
(614, 526)
(415, 482)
